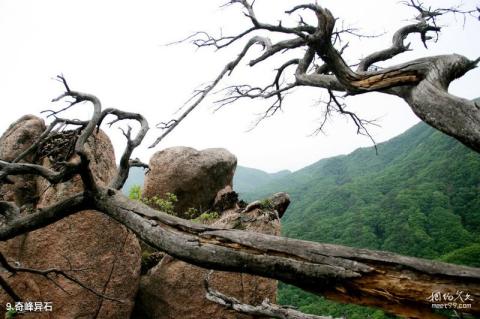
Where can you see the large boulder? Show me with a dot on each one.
(195, 177)
(89, 246)
(175, 289)
(98, 148)
(18, 137)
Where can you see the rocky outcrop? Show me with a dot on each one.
(278, 201)
(103, 255)
(225, 199)
(17, 138)
(96, 250)
(174, 289)
(203, 180)
(195, 177)
(89, 246)
(100, 150)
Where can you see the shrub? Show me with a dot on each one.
(207, 217)
(165, 204)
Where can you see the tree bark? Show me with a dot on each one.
(398, 284)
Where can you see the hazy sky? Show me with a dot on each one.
(115, 50)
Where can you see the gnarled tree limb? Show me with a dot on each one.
(46, 273)
(125, 161)
(418, 82)
(398, 284)
(395, 283)
(266, 309)
(45, 216)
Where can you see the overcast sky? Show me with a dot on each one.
(115, 50)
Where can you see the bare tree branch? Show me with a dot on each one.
(70, 169)
(9, 210)
(398, 45)
(45, 134)
(360, 276)
(138, 163)
(84, 170)
(9, 290)
(228, 69)
(122, 172)
(203, 39)
(395, 283)
(301, 31)
(266, 309)
(431, 14)
(360, 123)
(47, 272)
(408, 80)
(44, 216)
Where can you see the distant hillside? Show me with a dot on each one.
(399, 200)
(419, 196)
(247, 179)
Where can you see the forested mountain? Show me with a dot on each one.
(245, 180)
(419, 196)
(401, 199)
(248, 179)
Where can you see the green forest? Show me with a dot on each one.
(419, 196)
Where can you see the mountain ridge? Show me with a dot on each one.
(419, 196)
(421, 168)
(245, 178)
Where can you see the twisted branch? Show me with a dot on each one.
(46, 273)
(123, 170)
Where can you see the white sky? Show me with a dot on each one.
(114, 49)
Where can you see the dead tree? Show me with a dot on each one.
(398, 284)
(266, 309)
(422, 83)
(392, 282)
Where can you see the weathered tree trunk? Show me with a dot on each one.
(398, 284)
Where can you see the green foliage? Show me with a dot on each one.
(266, 204)
(12, 313)
(165, 204)
(316, 305)
(136, 176)
(469, 256)
(135, 192)
(145, 260)
(191, 213)
(418, 197)
(149, 260)
(207, 217)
